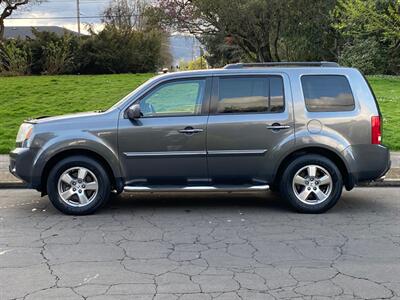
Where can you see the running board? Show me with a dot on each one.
(218, 188)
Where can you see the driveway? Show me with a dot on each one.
(197, 247)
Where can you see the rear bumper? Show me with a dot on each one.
(368, 162)
(21, 166)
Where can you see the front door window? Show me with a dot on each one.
(183, 98)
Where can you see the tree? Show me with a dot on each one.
(131, 20)
(362, 18)
(125, 14)
(377, 21)
(221, 50)
(7, 7)
(263, 30)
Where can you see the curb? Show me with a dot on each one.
(13, 185)
(385, 183)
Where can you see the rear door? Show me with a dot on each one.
(250, 118)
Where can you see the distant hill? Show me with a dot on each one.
(181, 47)
(13, 32)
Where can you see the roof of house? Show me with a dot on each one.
(13, 32)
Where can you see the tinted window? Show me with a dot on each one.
(175, 98)
(327, 93)
(250, 94)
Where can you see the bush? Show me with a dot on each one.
(110, 51)
(58, 56)
(121, 51)
(14, 58)
(197, 64)
(367, 55)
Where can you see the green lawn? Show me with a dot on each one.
(33, 96)
(387, 90)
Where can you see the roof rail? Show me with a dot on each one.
(325, 64)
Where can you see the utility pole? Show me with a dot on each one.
(201, 58)
(193, 41)
(78, 16)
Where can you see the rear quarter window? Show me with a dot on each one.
(327, 93)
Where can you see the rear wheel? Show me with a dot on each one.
(78, 185)
(311, 184)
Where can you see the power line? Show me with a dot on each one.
(82, 2)
(53, 18)
(67, 17)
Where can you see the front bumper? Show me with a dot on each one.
(21, 166)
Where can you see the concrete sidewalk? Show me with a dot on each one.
(7, 180)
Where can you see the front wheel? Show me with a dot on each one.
(311, 184)
(78, 185)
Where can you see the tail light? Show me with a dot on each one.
(376, 133)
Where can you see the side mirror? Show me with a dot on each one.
(133, 112)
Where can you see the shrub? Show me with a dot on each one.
(14, 58)
(368, 55)
(58, 56)
(110, 51)
(197, 64)
(121, 51)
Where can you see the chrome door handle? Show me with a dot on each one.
(190, 130)
(278, 126)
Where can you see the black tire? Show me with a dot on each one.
(103, 191)
(287, 190)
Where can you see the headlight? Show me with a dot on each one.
(24, 133)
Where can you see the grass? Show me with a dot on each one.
(33, 96)
(387, 91)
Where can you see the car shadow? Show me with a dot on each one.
(358, 201)
(269, 200)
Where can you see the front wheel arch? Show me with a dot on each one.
(116, 182)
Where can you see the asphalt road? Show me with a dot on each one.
(196, 247)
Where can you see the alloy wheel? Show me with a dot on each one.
(312, 184)
(78, 186)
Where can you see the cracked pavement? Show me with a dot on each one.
(201, 247)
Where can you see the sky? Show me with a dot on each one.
(59, 13)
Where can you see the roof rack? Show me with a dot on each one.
(325, 64)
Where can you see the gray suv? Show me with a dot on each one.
(303, 129)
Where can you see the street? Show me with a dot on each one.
(201, 247)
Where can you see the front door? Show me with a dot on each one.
(167, 145)
(251, 116)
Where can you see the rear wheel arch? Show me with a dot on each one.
(330, 154)
(116, 182)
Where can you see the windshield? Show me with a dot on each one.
(133, 93)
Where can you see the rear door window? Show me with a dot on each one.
(253, 94)
(327, 93)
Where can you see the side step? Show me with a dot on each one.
(196, 188)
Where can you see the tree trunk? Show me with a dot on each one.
(278, 29)
(1, 30)
(264, 53)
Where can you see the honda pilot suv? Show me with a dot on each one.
(303, 129)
